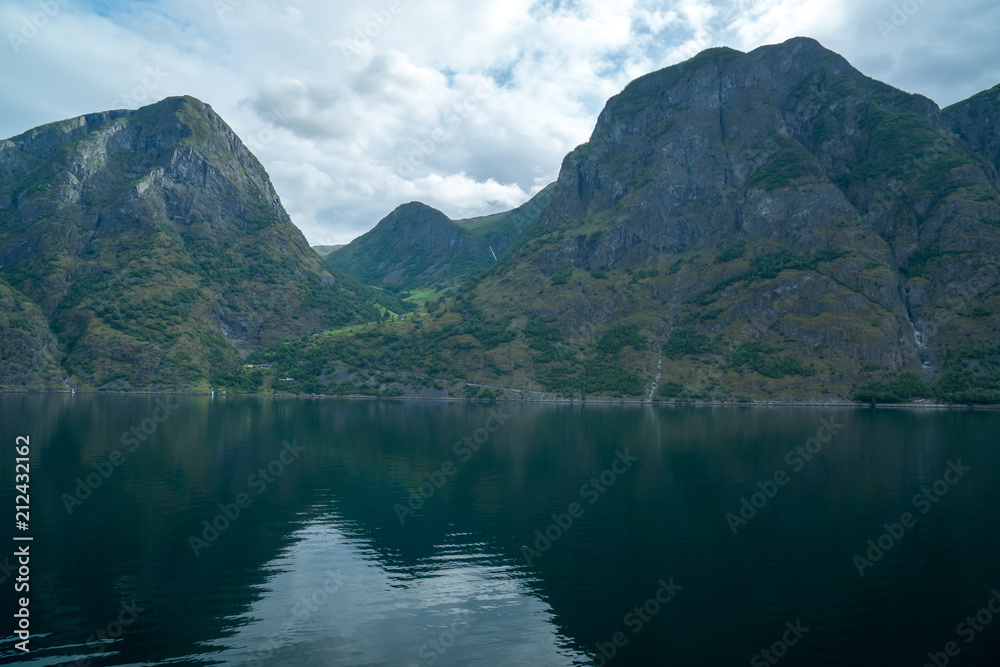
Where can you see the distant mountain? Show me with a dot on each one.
(143, 249)
(325, 250)
(419, 246)
(760, 225)
(412, 246)
(974, 121)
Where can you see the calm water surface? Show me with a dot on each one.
(542, 545)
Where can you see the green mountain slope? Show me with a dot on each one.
(501, 231)
(767, 225)
(414, 245)
(325, 250)
(29, 353)
(974, 121)
(417, 246)
(146, 249)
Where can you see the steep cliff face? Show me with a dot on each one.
(776, 199)
(759, 225)
(975, 122)
(156, 247)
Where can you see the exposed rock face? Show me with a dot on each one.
(765, 225)
(777, 197)
(975, 122)
(29, 353)
(156, 247)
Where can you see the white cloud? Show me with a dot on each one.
(357, 106)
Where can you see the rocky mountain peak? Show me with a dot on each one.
(156, 246)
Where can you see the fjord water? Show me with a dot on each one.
(318, 568)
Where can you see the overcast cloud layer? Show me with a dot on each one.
(355, 106)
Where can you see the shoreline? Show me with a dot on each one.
(553, 400)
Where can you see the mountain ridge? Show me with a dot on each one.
(769, 225)
(416, 245)
(156, 248)
(762, 225)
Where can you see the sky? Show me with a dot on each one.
(357, 106)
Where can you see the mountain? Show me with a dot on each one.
(412, 246)
(145, 249)
(974, 121)
(325, 250)
(740, 226)
(418, 246)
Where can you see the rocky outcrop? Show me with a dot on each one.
(776, 198)
(155, 246)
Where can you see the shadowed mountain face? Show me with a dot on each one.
(140, 249)
(975, 121)
(418, 246)
(326, 250)
(412, 246)
(761, 225)
(776, 199)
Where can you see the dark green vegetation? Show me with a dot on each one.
(142, 250)
(972, 375)
(326, 250)
(413, 246)
(615, 339)
(906, 387)
(684, 342)
(418, 246)
(814, 235)
(759, 226)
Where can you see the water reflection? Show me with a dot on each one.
(460, 607)
(319, 569)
